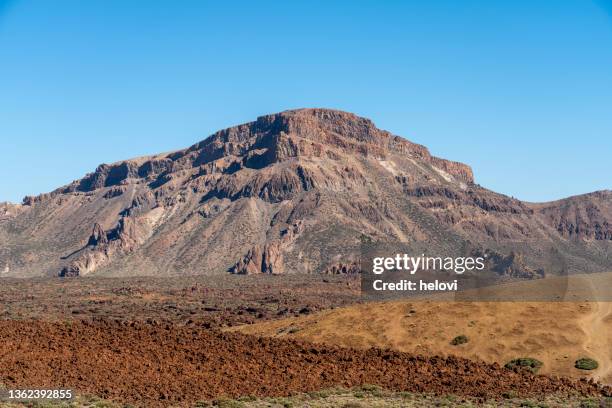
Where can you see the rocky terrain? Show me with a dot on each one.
(196, 301)
(293, 192)
(177, 366)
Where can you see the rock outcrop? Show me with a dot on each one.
(343, 268)
(267, 258)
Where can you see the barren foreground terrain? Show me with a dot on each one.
(365, 396)
(156, 342)
(556, 333)
(161, 365)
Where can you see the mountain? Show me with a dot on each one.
(293, 192)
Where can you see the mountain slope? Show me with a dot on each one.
(291, 192)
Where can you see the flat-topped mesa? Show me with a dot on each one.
(306, 132)
(269, 139)
(360, 135)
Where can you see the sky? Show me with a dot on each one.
(519, 90)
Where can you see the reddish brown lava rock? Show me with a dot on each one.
(161, 365)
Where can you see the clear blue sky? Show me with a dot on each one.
(520, 90)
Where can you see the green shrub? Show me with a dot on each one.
(527, 362)
(226, 403)
(370, 387)
(510, 394)
(405, 394)
(461, 339)
(373, 389)
(320, 394)
(365, 239)
(586, 364)
(591, 403)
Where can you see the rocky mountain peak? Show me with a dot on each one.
(292, 134)
(294, 191)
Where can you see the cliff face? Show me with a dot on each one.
(290, 192)
(308, 133)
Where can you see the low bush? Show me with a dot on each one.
(525, 362)
(510, 394)
(461, 339)
(586, 364)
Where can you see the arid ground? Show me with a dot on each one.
(206, 301)
(161, 365)
(165, 342)
(556, 333)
